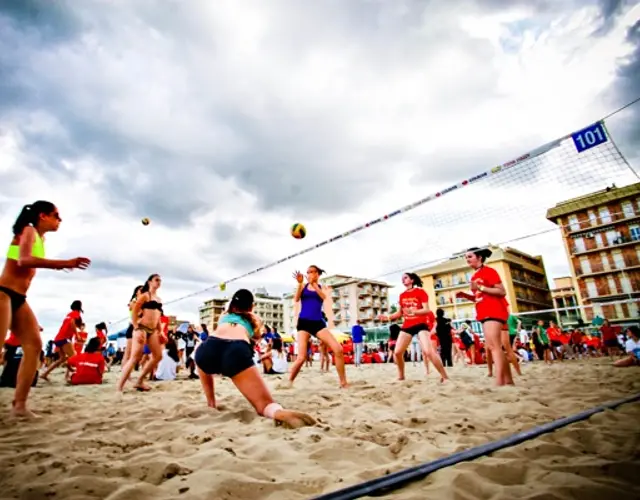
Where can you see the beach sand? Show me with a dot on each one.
(168, 444)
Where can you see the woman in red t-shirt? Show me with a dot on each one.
(64, 339)
(87, 368)
(492, 310)
(80, 339)
(414, 308)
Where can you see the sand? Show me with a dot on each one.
(167, 444)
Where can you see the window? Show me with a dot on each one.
(605, 261)
(605, 216)
(574, 225)
(579, 245)
(627, 209)
(634, 232)
(633, 310)
(613, 287)
(438, 283)
(618, 260)
(626, 284)
(599, 240)
(593, 218)
(619, 311)
(585, 265)
(592, 289)
(612, 237)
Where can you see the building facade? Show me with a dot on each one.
(354, 299)
(211, 311)
(269, 308)
(564, 298)
(601, 236)
(523, 276)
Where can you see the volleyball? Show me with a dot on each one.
(298, 231)
(145, 221)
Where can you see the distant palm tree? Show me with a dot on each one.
(393, 308)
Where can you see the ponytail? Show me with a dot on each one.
(30, 215)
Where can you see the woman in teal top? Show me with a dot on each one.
(229, 352)
(25, 255)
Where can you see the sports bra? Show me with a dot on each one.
(36, 251)
(236, 319)
(152, 305)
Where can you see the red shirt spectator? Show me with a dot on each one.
(89, 368)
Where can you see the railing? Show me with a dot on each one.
(530, 282)
(585, 224)
(622, 240)
(600, 268)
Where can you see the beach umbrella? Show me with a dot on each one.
(340, 336)
(115, 336)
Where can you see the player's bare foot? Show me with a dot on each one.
(294, 419)
(20, 411)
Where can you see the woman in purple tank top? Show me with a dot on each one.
(311, 322)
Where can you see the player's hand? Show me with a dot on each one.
(298, 276)
(475, 285)
(78, 263)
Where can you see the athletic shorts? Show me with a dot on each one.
(415, 329)
(216, 356)
(501, 321)
(611, 343)
(311, 326)
(60, 343)
(129, 333)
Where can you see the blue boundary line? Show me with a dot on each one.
(382, 485)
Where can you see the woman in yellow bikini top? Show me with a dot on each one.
(26, 254)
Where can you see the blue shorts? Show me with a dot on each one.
(60, 343)
(146, 350)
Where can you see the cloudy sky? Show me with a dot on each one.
(224, 122)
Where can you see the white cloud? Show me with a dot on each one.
(225, 106)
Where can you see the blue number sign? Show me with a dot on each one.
(589, 137)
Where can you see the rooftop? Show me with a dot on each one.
(338, 280)
(611, 193)
(457, 261)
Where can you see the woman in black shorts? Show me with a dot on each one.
(129, 333)
(414, 308)
(229, 352)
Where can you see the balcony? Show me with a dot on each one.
(535, 300)
(441, 284)
(620, 242)
(541, 285)
(364, 304)
(587, 225)
(569, 319)
(595, 269)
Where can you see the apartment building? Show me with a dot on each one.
(601, 236)
(523, 276)
(564, 296)
(211, 311)
(269, 308)
(354, 299)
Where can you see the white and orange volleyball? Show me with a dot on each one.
(298, 231)
(145, 221)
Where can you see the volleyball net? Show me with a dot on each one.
(505, 205)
